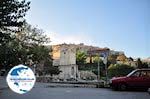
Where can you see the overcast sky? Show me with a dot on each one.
(118, 24)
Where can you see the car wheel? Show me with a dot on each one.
(122, 87)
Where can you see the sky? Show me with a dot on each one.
(122, 25)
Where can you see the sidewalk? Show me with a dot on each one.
(3, 84)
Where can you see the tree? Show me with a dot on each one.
(145, 65)
(49, 69)
(139, 63)
(80, 57)
(38, 53)
(119, 70)
(30, 35)
(41, 56)
(96, 59)
(11, 17)
(12, 14)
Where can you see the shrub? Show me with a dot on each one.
(119, 70)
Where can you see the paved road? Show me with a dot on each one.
(40, 91)
(3, 83)
(73, 93)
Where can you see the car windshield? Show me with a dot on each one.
(130, 73)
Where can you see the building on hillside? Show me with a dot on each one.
(85, 48)
(100, 52)
(131, 62)
(112, 52)
(121, 59)
(147, 60)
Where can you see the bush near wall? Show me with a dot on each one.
(116, 70)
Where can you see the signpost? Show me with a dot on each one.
(103, 53)
(105, 58)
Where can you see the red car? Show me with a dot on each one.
(139, 78)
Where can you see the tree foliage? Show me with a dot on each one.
(141, 64)
(21, 43)
(115, 70)
(97, 59)
(49, 69)
(12, 14)
(80, 57)
(30, 35)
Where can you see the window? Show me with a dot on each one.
(145, 74)
(136, 74)
(148, 73)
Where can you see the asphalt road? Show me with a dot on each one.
(41, 92)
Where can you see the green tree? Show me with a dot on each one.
(11, 17)
(40, 55)
(80, 57)
(96, 59)
(139, 63)
(12, 14)
(30, 35)
(145, 65)
(49, 69)
(119, 70)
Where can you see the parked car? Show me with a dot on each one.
(139, 78)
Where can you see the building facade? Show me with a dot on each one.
(64, 56)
